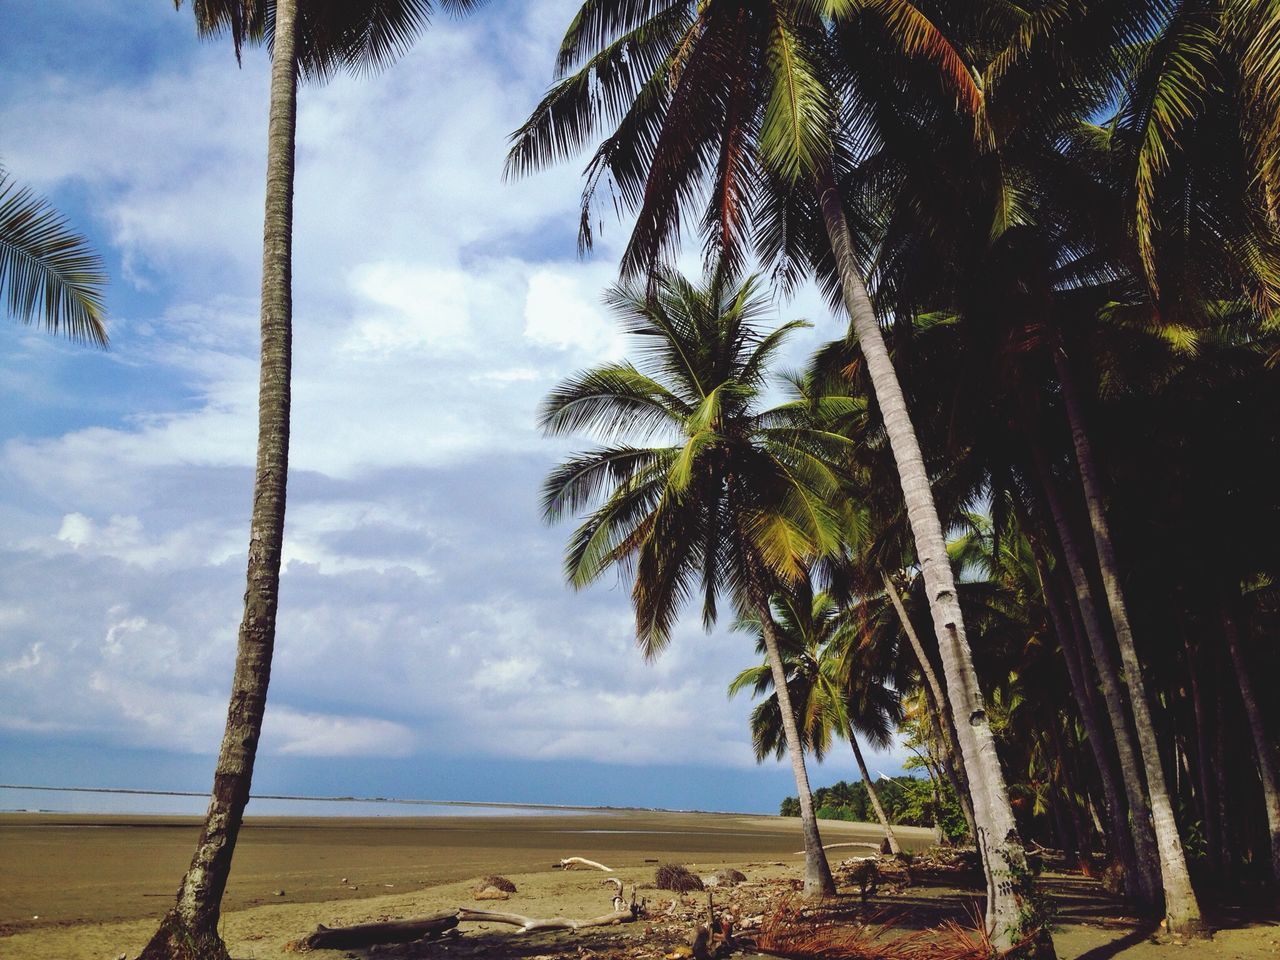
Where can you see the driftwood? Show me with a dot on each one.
(854, 843)
(367, 934)
(568, 863)
(529, 924)
(404, 931)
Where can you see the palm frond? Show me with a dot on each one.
(48, 273)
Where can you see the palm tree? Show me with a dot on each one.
(314, 41)
(744, 115)
(832, 682)
(48, 273)
(734, 502)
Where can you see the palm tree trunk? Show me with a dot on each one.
(894, 848)
(818, 881)
(190, 929)
(1268, 770)
(944, 729)
(1004, 859)
(1182, 910)
(1131, 770)
(1120, 839)
(1204, 758)
(1226, 853)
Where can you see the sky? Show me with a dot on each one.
(427, 645)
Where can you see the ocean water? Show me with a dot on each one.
(161, 803)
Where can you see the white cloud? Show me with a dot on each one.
(422, 309)
(435, 305)
(292, 733)
(560, 314)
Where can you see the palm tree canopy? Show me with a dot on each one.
(718, 113)
(333, 35)
(727, 494)
(836, 678)
(48, 273)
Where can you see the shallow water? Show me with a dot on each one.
(164, 803)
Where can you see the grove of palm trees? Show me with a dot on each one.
(1011, 520)
(1046, 223)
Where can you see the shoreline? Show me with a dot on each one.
(397, 801)
(57, 869)
(367, 854)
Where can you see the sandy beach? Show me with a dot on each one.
(77, 887)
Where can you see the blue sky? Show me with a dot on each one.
(427, 645)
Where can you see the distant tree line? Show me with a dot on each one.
(907, 801)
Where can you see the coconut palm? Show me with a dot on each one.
(48, 273)
(744, 115)
(312, 41)
(1197, 137)
(834, 684)
(732, 500)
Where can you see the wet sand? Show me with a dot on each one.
(72, 868)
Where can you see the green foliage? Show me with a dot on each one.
(741, 498)
(906, 800)
(48, 273)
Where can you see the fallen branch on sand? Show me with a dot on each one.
(568, 863)
(404, 931)
(529, 924)
(367, 934)
(832, 846)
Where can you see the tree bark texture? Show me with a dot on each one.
(1007, 915)
(1132, 772)
(194, 916)
(894, 847)
(368, 934)
(1268, 769)
(1120, 838)
(1182, 909)
(818, 881)
(940, 717)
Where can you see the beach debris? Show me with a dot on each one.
(865, 875)
(368, 934)
(712, 939)
(571, 863)
(494, 880)
(277, 893)
(529, 924)
(491, 893)
(851, 843)
(344, 880)
(727, 877)
(677, 877)
(436, 926)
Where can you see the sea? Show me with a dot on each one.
(21, 798)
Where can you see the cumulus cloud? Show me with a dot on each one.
(435, 305)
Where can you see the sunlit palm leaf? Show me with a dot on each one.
(48, 273)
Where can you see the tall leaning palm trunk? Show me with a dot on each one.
(890, 837)
(1182, 910)
(1120, 839)
(190, 927)
(1004, 859)
(817, 872)
(1268, 768)
(936, 706)
(1132, 772)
